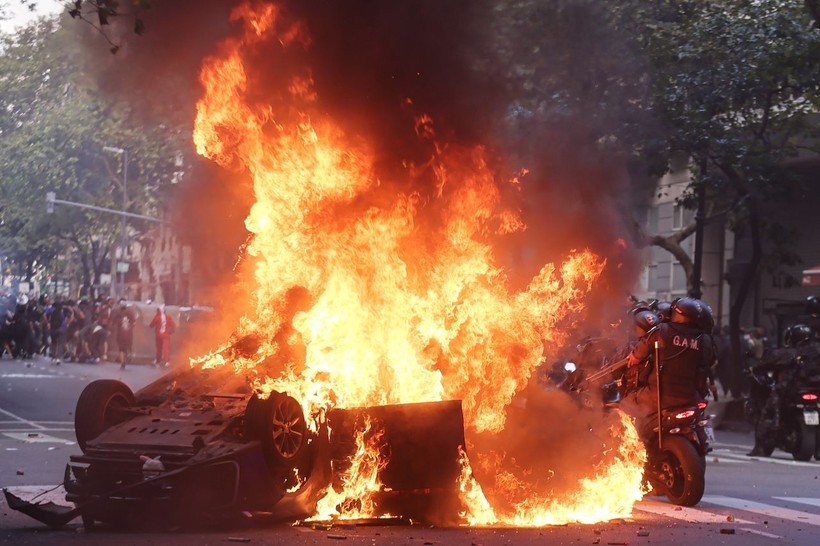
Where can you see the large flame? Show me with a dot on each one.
(367, 295)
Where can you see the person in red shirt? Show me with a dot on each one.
(163, 326)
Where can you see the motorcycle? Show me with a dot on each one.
(791, 420)
(676, 440)
(676, 456)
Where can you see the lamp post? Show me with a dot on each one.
(121, 151)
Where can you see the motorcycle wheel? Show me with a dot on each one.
(805, 442)
(817, 445)
(681, 471)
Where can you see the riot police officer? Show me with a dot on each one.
(802, 348)
(686, 352)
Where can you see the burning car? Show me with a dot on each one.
(178, 452)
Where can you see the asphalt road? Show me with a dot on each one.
(748, 501)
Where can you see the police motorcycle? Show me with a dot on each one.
(677, 438)
(790, 418)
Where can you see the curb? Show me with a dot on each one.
(729, 415)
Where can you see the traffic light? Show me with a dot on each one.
(50, 196)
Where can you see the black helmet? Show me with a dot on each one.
(797, 335)
(663, 309)
(645, 320)
(813, 306)
(694, 312)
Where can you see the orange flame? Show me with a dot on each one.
(360, 482)
(367, 296)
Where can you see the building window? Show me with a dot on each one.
(652, 220)
(681, 217)
(652, 278)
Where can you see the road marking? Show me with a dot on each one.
(21, 430)
(801, 500)
(36, 438)
(728, 460)
(763, 509)
(761, 533)
(30, 376)
(772, 460)
(43, 423)
(20, 419)
(691, 515)
(722, 446)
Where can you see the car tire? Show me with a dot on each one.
(100, 407)
(278, 422)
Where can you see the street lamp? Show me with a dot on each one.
(121, 270)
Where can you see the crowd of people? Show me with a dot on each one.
(82, 330)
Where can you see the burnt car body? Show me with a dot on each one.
(179, 453)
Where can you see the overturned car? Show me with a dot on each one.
(180, 453)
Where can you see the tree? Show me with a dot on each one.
(54, 124)
(735, 85)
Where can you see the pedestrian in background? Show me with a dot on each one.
(163, 326)
(124, 321)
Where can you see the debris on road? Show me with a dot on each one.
(727, 531)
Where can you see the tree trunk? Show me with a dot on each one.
(742, 293)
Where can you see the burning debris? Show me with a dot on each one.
(384, 361)
(409, 302)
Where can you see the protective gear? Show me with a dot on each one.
(694, 312)
(663, 309)
(813, 306)
(645, 320)
(686, 354)
(797, 335)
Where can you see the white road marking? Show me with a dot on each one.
(727, 460)
(35, 438)
(771, 460)
(759, 532)
(19, 419)
(29, 376)
(801, 500)
(719, 446)
(763, 509)
(692, 515)
(44, 429)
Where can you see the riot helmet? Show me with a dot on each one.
(663, 309)
(796, 335)
(645, 320)
(694, 312)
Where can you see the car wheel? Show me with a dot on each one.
(278, 422)
(102, 404)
